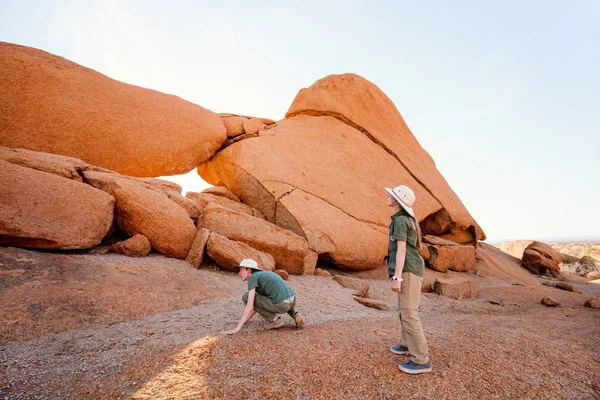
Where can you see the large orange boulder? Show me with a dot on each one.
(227, 253)
(44, 210)
(147, 211)
(320, 173)
(289, 250)
(362, 105)
(54, 105)
(542, 259)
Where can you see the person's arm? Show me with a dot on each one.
(400, 256)
(246, 315)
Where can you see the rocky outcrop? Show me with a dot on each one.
(362, 105)
(136, 246)
(541, 259)
(227, 253)
(53, 105)
(289, 250)
(324, 193)
(46, 211)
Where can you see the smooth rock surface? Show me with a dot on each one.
(65, 108)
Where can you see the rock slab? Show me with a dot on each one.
(455, 288)
(54, 105)
(47, 211)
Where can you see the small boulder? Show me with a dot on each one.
(135, 246)
(560, 285)
(227, 253)
(455, 288)
(282, 273)
(361, 287)
(593, 275)
(594, 303)
(426, 287)
(455, 258)
(196, 253)
(541, 259)
(371, 303)
(321, 272)
(549, 302)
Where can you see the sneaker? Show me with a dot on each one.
(413, 368)
(299, 320)
(276, 323)
(399, 349)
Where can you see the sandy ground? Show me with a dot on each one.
(502, 344)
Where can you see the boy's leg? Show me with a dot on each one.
(265, 307)
(410, 295)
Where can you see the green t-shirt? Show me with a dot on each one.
(403, 230)
(271, 285)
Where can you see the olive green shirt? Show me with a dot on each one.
(271, 285)
(403, 230)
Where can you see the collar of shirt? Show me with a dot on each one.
(399, 213)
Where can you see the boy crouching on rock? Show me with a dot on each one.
(268, 294)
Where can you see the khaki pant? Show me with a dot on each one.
(412, 332)
(267, 309)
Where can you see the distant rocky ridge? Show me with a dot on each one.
(304, 188)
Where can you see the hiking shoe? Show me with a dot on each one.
(299, 320)
(399, 349)
(413, 368)
(276, 323)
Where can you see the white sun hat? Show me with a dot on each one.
(248, 263)
(404, 196)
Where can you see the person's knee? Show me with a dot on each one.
(245, 298)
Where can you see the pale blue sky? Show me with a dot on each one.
(504, 95)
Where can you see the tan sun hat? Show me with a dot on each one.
(404, 196)
(247, 263)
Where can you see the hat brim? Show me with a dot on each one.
(236, 268)
(406, 208)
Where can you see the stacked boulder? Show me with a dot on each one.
(541, 259)
(57, 202)
(319, 173)
(289, 192)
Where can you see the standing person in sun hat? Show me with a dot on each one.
(406, 269)
(268, 295)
